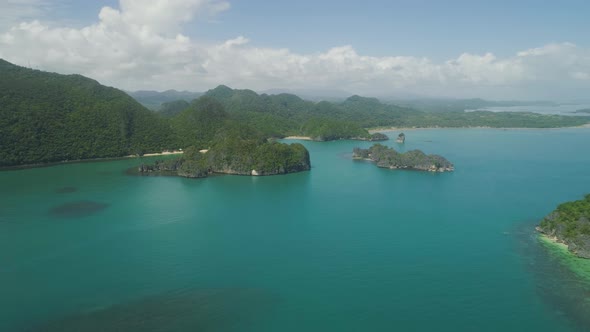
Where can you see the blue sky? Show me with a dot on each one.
(436, 29)
(493, 49)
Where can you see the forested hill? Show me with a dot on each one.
(287, 114)
(48, 117)
(156, 100)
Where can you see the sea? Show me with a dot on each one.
(346, 246)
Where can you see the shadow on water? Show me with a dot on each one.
(77, 209)
(562, 281)
(194, 310)
(66, 190)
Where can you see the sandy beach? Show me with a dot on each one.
(165, 153)
(303, 138)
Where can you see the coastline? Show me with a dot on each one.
(385, 129)
(302, 138)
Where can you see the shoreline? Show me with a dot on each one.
(386, 129)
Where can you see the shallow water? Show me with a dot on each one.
(344, 247)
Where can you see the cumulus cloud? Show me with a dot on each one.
(141, 45)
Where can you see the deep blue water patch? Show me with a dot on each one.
(193, 310)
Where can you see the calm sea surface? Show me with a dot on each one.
(344, 247)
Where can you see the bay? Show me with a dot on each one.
(344, 247)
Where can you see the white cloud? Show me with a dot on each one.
(141, 45)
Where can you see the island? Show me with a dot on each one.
(570, 224)
(386, 157)
(240, 157)
(584, 110)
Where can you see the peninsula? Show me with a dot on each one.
(570, 224)
(386, 157)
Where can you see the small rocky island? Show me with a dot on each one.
(401, 138)
(570, 224)
(412, 160)
(246, 157)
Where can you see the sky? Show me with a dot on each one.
(460, 49)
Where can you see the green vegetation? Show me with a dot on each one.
(47, 117)
(155, 100)
(198, 124)
(415, 160)
(173, 108)
(570, 224)
(325, 129)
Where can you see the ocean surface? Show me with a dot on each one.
(344, 247)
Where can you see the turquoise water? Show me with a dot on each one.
(344, 247)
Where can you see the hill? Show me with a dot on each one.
(47, 117)
(154, 100)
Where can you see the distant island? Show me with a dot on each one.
(570, 224)
(386, 157)
(584, 110)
